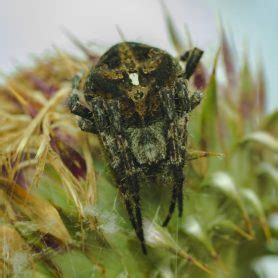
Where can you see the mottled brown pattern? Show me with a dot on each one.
(138, 104)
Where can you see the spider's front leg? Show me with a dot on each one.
(76, 107)
(74, 103)
(106, 115)
(187, 100)
(192, 58)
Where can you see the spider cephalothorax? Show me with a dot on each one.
(138, 103)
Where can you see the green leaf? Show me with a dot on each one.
(228, 58)
(252, 197)
(270, 170)
(193, 228)
(262, 138)
(73, 264)
(52, 191)
(247, 97)
(270, 122)
(225, 183)
(209, 112)
(172, 31)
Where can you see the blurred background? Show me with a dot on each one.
(33, 26)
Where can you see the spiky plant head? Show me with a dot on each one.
(60, 211)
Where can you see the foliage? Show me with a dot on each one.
(60, 210)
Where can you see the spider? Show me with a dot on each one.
(137, 102)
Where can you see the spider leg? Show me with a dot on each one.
(140, 231)
(176, 112)
(179, 177)
(176, 136)
(192, 58)
(195, 100)
(171, 207)
(186, 103)
(133, 188)
(193, 154)
(86, 125)
(108, 122)
(133, 194)
(74, 103)
(128, 205)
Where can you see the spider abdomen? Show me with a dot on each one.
(148, 144)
